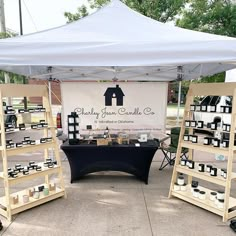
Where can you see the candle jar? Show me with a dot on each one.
(183, 187)
(194, 138)
(36, 195)
(220, 195)
(220, 204)
(190, 137)
(224, 127)
(228, 128)
(213, 108)
(207, 141)
(213, 171)
(192, 107)
(71, 135)
(203, 108)
(202, 195)
(222, 109)
(228, 109)
(196, 193)
(71, 119)
(71, 128)
(208, 168)
(183, 162)
(201, 167)
(187, 123)
(225, 143)
(198, 108)
(191, 164)
(222, 171)
(193, 123)
(25, 198)
(213, 126)
(180, 180)
(216, 142)
(176, 187)
(225, 174)
(186, 137)
(213, 196)
(200, 124)
(46, 191)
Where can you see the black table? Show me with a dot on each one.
(88, 158)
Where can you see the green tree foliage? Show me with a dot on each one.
(215, 16)
(162, 10)
(212, 16)
(14, 78)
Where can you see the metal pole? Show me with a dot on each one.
(21, 33)
(2, 17)
(3, 30)
(50, 92)
(179, 102)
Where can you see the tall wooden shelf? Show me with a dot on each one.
(7, 207)
(229, 208)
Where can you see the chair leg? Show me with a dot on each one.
(170, 161)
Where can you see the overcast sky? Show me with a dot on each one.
(41, 14)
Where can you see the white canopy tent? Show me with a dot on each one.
(117, 43)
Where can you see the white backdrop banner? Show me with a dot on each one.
(118, 106)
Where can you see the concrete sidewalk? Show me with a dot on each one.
(114, 203)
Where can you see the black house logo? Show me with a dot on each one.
(114, 93)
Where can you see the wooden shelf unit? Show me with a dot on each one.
(213, 89)
(7, 208)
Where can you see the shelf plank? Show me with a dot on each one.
(29, 148)
(20, 206)
(201, 175)
(205, 148)
(33, 174)
(29, 128)
(206, 204)
(208, 129)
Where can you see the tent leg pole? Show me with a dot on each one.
(179, 102)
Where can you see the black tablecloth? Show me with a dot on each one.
(88, 158)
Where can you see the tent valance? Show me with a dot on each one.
(117, 43)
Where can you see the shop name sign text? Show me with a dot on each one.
(105, 112)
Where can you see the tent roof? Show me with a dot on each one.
(117, 42)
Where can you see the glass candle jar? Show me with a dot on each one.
(203, 108)
(193, 123)
(225, 143)
(192, 107)
(187, 123)
(180, 180)
(194, 138)
(201, 167)
(207, 141)
(213, 196)
(228, 109)
(213, 126)
(186, 137)
(191, 164)
(222, 109)
(213, 171)
(198, 108)
(216, 142)
(196, 193)
(208, 168)
(183, 162)
(213, 108)
(220, 195)
(202, 195)
(200, 124)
